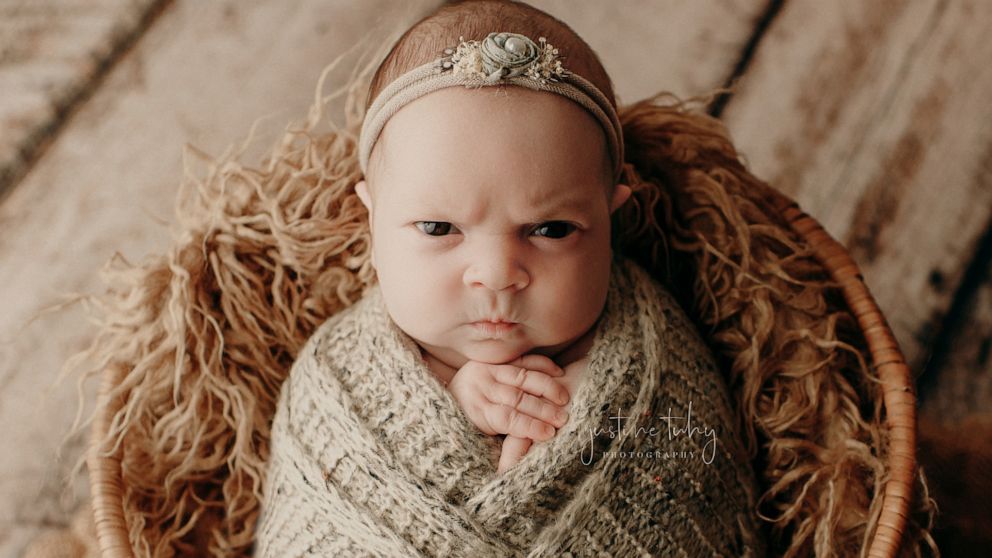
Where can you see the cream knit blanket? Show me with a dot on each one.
(372, 456)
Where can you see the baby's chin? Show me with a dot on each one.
(495, 351)
(494, 355)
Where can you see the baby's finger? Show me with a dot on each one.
(531, 381)
(538, 362)
(512, 422)
(514, 449)
(538, 408)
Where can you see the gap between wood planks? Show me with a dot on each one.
(38, 141)
(975, 275)
(747, 54)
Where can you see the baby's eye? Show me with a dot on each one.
(434, 228)
(555, 229)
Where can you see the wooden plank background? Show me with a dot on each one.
(873, 115)
(52, 54)
(882, 130)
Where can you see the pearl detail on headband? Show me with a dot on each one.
(515, 46)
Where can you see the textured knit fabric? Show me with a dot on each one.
(372, 456)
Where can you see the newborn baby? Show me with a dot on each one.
(491, 176)
(490, 219)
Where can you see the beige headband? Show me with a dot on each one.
(500, 58)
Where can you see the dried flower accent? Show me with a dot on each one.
(504, 55)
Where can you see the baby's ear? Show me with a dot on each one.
(620, 194)
(362, 190)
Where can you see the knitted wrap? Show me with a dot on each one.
(372, 456)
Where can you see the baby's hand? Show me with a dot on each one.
(520, 398)
(514, 449)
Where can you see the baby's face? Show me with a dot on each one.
(492, 203)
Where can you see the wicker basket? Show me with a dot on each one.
(898, 389)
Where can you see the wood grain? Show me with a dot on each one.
(51, 54)
(962, 382)
(875, 117)
(682, 46)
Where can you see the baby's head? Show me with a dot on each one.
(492, 202)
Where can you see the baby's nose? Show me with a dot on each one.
(498, 267)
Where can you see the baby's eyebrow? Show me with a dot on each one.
(540, 202)
(569, 202)
(536, 211)
(553, 206)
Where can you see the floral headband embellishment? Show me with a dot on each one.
(504, 55)
(502, 58)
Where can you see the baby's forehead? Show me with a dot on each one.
(470, 200)
(431, 158)
(441, 190)
(489, 135)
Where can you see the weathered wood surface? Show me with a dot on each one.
(961, 385)
(201, 74)
(876, 117)
(648, 46)
(51, 54)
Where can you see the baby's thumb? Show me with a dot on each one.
(514, 449)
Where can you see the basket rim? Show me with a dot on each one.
(898, 392)
(106, 485)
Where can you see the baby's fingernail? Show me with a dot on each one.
(561, 415)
